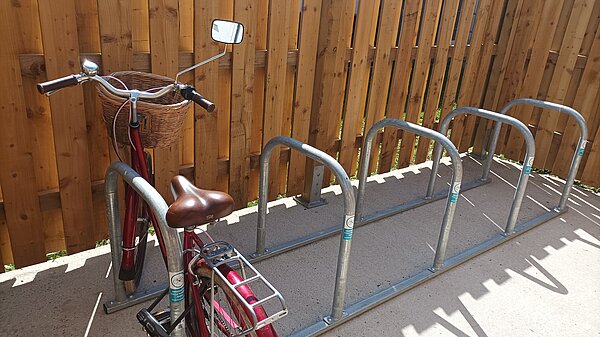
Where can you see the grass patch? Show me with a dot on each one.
(9, 267)
(55, 255)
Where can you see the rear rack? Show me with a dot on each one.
(222, 253)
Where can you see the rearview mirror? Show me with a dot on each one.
(230, 32)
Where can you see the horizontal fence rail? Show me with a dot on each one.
(319, 71)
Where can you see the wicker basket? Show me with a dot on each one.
(160, 119)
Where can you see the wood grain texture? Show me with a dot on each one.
(328, 91)
(420, 75)
(307, 56)
(59, 32)
(17, 175)
(262, 14)
(580, 16)
(290, 80)
(242, 104)
(387, 32)
(434, 89)
(534, 73)
(39, 116)
(456, 63)
(206, 77)
(584, 102)
(275, 85)
(164, 48)
(467, 94)
(400, 79)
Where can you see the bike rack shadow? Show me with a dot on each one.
(171, 239)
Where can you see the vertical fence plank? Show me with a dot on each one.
(242, 104)
(164, 58)
(59, 33)
(523, 33)
(39, 119)
(206, 77)
(329, 85)
(307, 54)
(468, 89)
(456, 64)
(115, 35)
(565, 64)
(277, 45)
(421, 69)
(290, 79)
(444, 39)
(89, 42)
(400, 79)
(584, 103)
(224, 102)
(534, 74)
(262, 13)
(478, 125)
(186, 44)
(17, 175)
(140, 31)
(358, 82)
(387, 32)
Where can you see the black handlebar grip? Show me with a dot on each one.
(190, 93)
(59, 83)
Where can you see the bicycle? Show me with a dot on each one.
(211, 267)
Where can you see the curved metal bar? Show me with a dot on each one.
(453, 192)
(527, 161)
(349, 204)
(171, 238)
(127, 93)
(583, 134)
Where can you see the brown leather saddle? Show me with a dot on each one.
(195, 206)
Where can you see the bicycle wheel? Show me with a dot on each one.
(231, 317)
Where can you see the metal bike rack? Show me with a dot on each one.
(452, 195)
(171, 239)
(583, 134)
(440, 265)
(527, 161)
(347, 226)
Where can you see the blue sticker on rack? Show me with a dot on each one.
(527, 169)
(176, 294)
(580, 152)
(347, 234)
(454, 198)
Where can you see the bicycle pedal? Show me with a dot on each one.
(151, 324)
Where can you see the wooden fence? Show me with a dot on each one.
(321, 71)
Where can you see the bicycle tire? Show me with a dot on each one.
(204, 273)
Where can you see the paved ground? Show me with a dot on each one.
(543, 283)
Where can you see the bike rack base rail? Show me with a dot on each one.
(403, 286)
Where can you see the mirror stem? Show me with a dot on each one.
(201, 63)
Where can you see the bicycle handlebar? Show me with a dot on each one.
(59, 83)
(190, 93)
(187, 91)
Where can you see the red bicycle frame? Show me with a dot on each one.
(138, 163)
